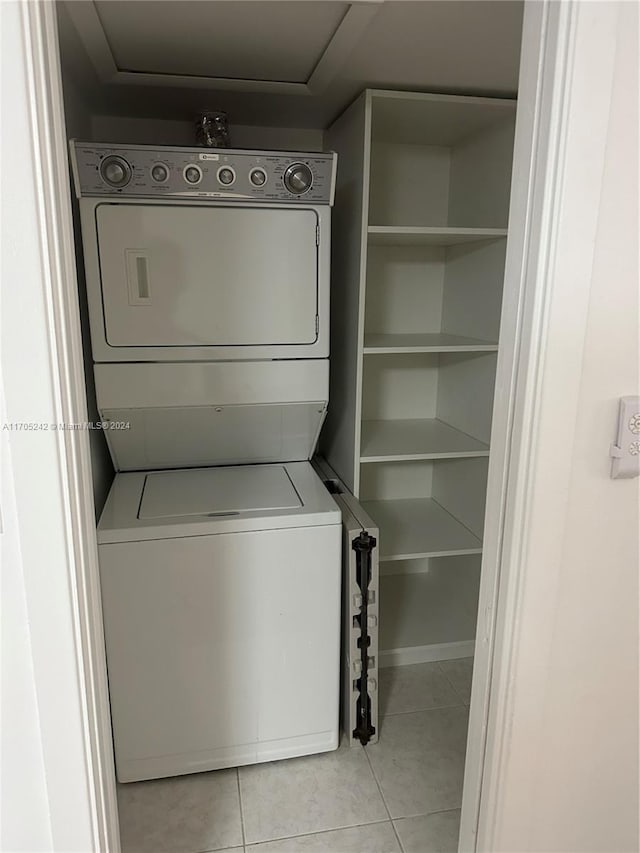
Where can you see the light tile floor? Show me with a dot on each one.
(401, 795)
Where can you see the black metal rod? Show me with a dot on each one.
(363, 545)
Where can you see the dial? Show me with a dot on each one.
(226, 175)
(193, 174)
(159, 173)
(298, 178)
(258, 177)
(115, 171)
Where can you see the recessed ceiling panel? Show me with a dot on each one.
(241, 39)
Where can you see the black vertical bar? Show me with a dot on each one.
(363, 545)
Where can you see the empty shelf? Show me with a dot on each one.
(412, 440)
(391, 235)
(384, 344)
(411, 528)
(432, 609)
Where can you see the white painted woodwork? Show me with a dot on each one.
(404, 289)
(396, 480)
(472, 290)
(56, 759)
(560, 572)
(480, 178)
(400, 386)
(425, 267)
(460, 485)
(428, 653)
(414, 235)
(414, 289)
(79, 125)
(431, 612)
(465, 391)
(387, 344)
(420, 118)
(340, 439)
(449, 166)
(415, 439)
(412, 528)
(399, 175)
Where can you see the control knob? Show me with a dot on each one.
(115, 171)
(298, 178)
(192, 174)
(159, 173)
(226, 176)
(258, 177)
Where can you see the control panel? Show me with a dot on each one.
(147, 171)
(626, 448)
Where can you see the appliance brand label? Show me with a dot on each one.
(209, 156)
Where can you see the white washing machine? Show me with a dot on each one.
(208, 286)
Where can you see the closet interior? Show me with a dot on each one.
(418, 100)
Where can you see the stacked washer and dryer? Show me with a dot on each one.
(220, 548)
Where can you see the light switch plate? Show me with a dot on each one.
(626, 448)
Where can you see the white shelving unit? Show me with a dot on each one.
(419, 239)
(431, 615)
(415, 440)
(392, 235)
(381, 344)
(416, 528)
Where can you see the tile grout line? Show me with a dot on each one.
(320, 832)
(453, 687)
(384, 802)
(427, 814)
(422, 710)
(244, 839)
(316, 832)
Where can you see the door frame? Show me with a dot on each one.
(53, 481)
(546, 81)
(566, 79)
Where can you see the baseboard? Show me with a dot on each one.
(426, 654)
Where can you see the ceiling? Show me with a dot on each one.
(294, 63)
(241, 40)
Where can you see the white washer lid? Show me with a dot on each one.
(121, 520)
(217, 492)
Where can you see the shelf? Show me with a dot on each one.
(428, 612)
(391, 235)
(411, 528)
(387, 344)
(418, 118)
(416, 439)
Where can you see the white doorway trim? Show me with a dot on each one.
(43, 381)
(538, 82)
(564, 100)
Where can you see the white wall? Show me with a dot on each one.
(146, 131)
(24, 811)
(566, 748)
(586, 795)
(78, 125)
(24, 808)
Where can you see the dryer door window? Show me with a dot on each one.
(175, 275)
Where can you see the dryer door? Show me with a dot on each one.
(192, 275)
